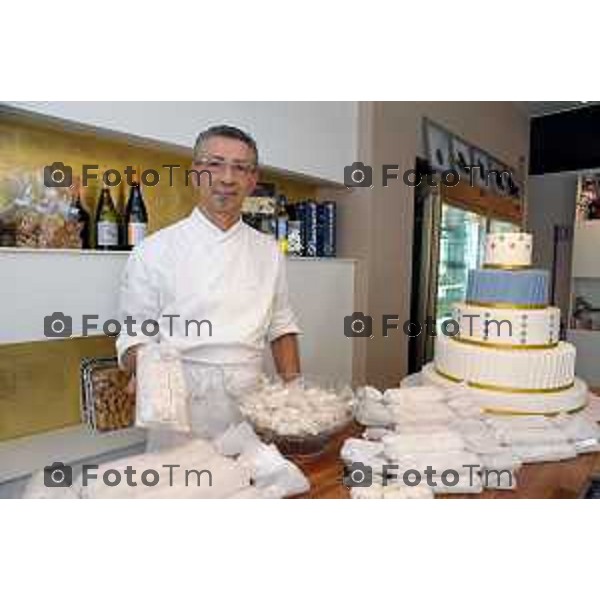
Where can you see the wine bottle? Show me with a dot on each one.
(136, 216)
(81, 215)
(281, 224)
(107, 222)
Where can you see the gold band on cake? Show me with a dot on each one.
(504, 389)
(510, 390)
(519, 413)
(501, 267)
(507, 305)
(498, 346)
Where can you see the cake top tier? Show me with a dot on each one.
(508, 250)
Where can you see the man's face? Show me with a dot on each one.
(233, 170)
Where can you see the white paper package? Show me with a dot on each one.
(162, 399)
(439, 461)
(466, 485)
(357, 450)
(373, 414)
(237, 439)
(399, 445)
(428, 413)
(533, 437)
(501, 459)
(544, 453)
(580, 431)
(466, 408)
(527, 422)
(414, 395)
(482, 443)
(378, 491)
(269, 469)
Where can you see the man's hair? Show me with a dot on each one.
(226, 131)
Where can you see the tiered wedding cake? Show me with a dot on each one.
(508, 351)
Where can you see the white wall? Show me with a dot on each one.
(312, 138)
(41, 282)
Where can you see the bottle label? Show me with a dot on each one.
(108, 233)
(136, 232)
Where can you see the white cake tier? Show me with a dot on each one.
(506, 370)
(571, 400)
(508, 250)
(533, 329)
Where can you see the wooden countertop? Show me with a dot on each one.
(565, 479)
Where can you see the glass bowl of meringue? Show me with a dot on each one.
(299, 417)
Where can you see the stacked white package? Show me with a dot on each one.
(533, 439)
(272, 474)
(398, 446)
(378, 491)
(454, 472)
(373, 414)
(426, 413)
(415, 395)
(544, 453)
(370, 409)
(466, 408)
(592, 410)
(362, 451)
(269, 470)
(366, 453)
(582, 432)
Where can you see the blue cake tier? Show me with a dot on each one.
(511, 288)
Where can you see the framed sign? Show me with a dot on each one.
(499, 178)
(462, 158)
(437, 146)
(481, 164)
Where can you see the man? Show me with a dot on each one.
(216, 286)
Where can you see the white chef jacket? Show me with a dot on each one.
(235, 279)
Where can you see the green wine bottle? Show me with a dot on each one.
(107, 222)
(136, 216)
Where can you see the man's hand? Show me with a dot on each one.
(286, 356)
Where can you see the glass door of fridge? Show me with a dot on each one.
(462, 240)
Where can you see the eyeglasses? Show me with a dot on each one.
(215, 164)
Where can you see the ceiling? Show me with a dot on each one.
(537, 109)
